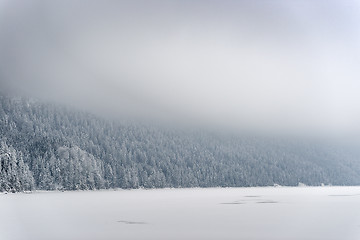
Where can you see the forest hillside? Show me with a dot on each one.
(49, 147)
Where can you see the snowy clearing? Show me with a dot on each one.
(217, 213)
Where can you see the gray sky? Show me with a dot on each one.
(290, 65)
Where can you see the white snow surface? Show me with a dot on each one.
(216, 213)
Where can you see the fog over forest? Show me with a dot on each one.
(278, 65)
(179, 119)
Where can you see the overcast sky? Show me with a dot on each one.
(263, 64)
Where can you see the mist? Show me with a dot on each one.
(268, 65)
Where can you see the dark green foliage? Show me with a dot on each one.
(49, 147)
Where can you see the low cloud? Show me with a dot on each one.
(265, 65)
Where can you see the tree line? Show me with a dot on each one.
(48, 147)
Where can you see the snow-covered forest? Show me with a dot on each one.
(49, 147)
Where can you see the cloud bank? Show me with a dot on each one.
(289, 65)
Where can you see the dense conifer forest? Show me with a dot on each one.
(49, 147)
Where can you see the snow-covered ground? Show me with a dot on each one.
(218, 213)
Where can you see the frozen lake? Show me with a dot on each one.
(218, 213)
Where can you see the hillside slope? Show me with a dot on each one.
(44, 146)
